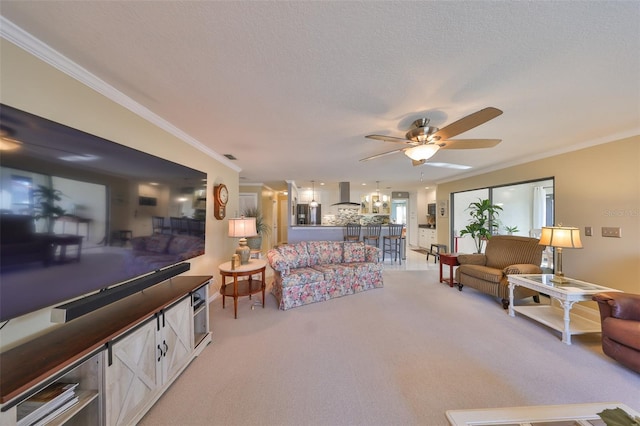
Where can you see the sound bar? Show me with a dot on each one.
(85, 305)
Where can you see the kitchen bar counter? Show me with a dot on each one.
(325, 233)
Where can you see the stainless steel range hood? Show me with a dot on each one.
(344, 193)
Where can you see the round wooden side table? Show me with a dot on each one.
(242, 286)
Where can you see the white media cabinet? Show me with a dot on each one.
(124, 356)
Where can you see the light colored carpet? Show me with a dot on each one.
(400, 355)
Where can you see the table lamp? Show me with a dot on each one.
(560, 237)
(242, 228)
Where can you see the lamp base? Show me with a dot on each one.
(243, 251)
(559, 279)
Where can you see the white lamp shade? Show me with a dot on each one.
(422, 152)
(560, 236)
(242, 227)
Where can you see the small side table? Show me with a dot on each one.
(242, 287)
(450, 259)
(63, 241)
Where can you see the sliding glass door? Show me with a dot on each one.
(526, 208)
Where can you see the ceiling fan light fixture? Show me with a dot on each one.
(421, 134)
(9, 144)
(422, 152)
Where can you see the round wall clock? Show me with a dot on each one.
(220, 199)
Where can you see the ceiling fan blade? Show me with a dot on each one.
(469, 143)
(418, 162)
(467, 123)
(391, 139)
(383, 154)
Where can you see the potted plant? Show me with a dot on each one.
(483, 220)
(511, 229)
(263, 229)
(46, 208)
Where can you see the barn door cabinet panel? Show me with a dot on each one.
(128, 354)
(144, 361)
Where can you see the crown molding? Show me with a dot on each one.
(16, 35)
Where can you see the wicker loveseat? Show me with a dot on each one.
(504, 255)
(314, 271)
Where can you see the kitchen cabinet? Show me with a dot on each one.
(426, 237)
(368, 204)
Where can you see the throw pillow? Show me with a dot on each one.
(157, 243)
(353, 252)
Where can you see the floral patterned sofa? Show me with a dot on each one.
(159, 250)
(314, 271)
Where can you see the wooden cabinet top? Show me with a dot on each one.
(33, 362)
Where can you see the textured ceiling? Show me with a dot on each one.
(291, 88)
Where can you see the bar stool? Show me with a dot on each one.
(435, 251)
(373, 234)
(392, 243)
(352, 232)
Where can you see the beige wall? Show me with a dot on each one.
(33, 86)
(597, 186)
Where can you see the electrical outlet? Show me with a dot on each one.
(614, 232)
(588, 231)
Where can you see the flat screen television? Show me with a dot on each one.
(72, 209)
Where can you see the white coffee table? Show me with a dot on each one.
(571, 414)
(566, 294)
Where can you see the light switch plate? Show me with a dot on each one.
(614, 232)
(588, 231)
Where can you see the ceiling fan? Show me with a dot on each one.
(423, 141)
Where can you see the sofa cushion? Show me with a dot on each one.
(296, 255)
(183, 243)
(481, 272)
(371, 254)
(335, 272)
(324, 252)
(301, 276)
(139, 243)
(157, 243)
(353, 252)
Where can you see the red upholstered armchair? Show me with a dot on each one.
(620, 315)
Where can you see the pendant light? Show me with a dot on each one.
(378, 203)
(313, 202)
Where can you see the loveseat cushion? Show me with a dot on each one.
(325, 252)
(481, 272)
(472, 259)
(353, 252)
(505, 250)
(522, 268)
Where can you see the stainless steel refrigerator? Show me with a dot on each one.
(307, 215)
